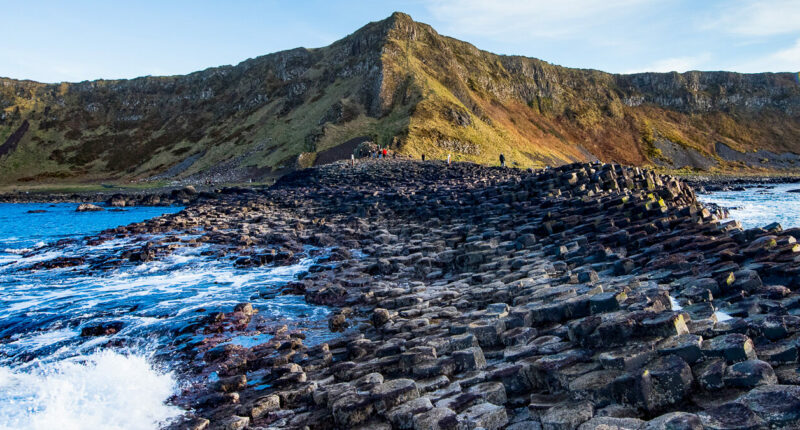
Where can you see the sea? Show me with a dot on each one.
(52, 377)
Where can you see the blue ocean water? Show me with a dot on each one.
(51, 376)
(760, 205)
(21, 229)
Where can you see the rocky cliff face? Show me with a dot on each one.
(400, 83)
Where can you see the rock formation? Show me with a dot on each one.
(579, 297)
(400, 84)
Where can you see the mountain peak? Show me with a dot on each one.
(400, 17)
(398, 83)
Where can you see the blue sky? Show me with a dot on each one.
(55, 40)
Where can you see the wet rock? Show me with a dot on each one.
(105, 329)
(338, 322)
(195, 424)
(234, 423)
(245, 308)
(88, 207)
(230, 384)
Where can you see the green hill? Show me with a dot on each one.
(401, 84)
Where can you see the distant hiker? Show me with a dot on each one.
(448, 158)
(353, 160)
(385, 152)
(423, 157)
(502, 160)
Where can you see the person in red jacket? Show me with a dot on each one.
(385, 152)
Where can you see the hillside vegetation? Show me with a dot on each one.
(402, 85)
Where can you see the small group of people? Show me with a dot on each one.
(502, 159)
(381, 153)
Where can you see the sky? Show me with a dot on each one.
(76, 40)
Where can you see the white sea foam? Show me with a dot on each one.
(17, 251)
(105, 390)
(722, 316)
(758, 207)
(675, 305)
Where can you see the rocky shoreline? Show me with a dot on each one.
(707, 184)
(156, 197)
(580, 297)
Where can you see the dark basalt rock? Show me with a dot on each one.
(105, 329)
(731, 416)
(464, 297)
(750, 373)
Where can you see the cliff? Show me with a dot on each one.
(399, 83)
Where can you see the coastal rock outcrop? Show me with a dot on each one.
(582, 296)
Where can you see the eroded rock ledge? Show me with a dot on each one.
(584, 296)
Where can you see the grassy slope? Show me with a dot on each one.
(437, 95)
(585, 112)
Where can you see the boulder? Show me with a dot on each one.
(392, 393)
(88, 207)
(402, 416)
(778, 405)
(483, 416)
(729, 416)
(567, 416)
(663, 382)
(750, 373)
(436, 419)
(675, 421)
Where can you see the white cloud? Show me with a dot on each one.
(674, 64)
(757, 17)
(784, 60)
(514, 18)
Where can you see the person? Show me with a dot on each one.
(448, 158)
(385, 152)
(423, 157)
(353, 160)
(502, 160)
